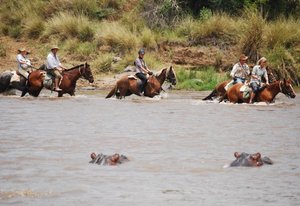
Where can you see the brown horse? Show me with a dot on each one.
(128, 85)
(38, 79)
(219, 91)
(266, 94)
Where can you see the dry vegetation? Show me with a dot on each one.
(97, 31)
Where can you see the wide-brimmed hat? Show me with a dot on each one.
(243, 57)
(54, 47)
(263, 59)
(22, 49)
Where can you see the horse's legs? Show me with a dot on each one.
(60, 94)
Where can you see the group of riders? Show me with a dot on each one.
(55, 68)
(53, 65)
(241, 72)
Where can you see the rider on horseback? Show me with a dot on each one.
(240, 70)
(54, 67)
(142, 69)
(258, 72)
(24, 64)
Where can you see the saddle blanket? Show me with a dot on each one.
(15, 77)
(245, 89)
(132, 77)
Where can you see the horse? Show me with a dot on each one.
(218, 91)
(128, 85)
(266, 94)
(12, 80)
(38, 79)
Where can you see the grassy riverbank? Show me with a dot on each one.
(108, 34)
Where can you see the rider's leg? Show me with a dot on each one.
(255, 88)
(143, 78)
(57, 80)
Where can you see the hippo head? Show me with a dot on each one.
(247, 160)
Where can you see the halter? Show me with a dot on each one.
(80, 68)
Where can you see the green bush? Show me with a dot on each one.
(103, 63)
(34, 27)
(205, 79)
(66, 25)
(116, 36)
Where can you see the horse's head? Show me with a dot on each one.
(286, 88)
(86, 72)
(171, 76)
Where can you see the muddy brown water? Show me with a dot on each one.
(178, 146)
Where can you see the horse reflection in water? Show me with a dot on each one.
(128, 85)
(266, 94)
(37, 80)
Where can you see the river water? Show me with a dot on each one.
(177, 146)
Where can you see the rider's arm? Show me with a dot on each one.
(266, 77)
(233, 71)
(254, 71)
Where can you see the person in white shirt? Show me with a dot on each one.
(240, 70)
(24, 64)
(54, 66)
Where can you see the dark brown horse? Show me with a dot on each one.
(266, 94)
(39, 79)
(128, 85)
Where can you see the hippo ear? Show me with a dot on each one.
(237, 155)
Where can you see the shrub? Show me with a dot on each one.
(67, 25)
(205, 79)
(219, 26)
(117, 36)
(148, 38)
(34, 27)
(2, 50)
(282, 32)
(252, 34)
(103, 63)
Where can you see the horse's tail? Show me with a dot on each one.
(211, 95)
(112, 92)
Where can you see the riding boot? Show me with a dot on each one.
(25, 89)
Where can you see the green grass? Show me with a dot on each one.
(205, 79)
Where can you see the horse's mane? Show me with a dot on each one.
(75, 67)
(160, 71)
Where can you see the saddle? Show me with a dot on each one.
(48, 81)
(139, 82)
(16, 77)
(246, 90)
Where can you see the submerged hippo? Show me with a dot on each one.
(102, 159)
(250, 160)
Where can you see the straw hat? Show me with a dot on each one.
(263, 59)
(54, 47)
(243, 57)
(22, 49)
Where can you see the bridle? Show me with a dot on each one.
(284, 90)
